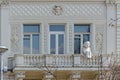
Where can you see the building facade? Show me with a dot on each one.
(45, 37)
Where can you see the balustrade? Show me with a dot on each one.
(62, 60)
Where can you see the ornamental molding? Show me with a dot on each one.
(99, 42)
(57, 10)
(15, 37)
(113, 1)
(59, 0)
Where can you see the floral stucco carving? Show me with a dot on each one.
(99, 42)
(57, 10)
(15, 38)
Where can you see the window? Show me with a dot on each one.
(57, 39)
(81, 35)
(31, 39)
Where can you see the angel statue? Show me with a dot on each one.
(86, 49)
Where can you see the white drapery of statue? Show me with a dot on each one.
(86, 49)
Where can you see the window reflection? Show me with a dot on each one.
(35, 43)
(52, 44)
(86, 37)
(61, 44)
(26, 43)
(81, 28)
(77, 43)
(57, 28)
(31, 28)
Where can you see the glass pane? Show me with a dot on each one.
(77, 42)
(61, 44)
(52, 44)
(35, 44)
(26, 44)
(81, 28)
(31, 28)
(86, 37)
(57, 28)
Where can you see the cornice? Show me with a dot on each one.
(107, 1)
(58, 0)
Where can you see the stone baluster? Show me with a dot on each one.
(37, 59)
(24, 59)
(30, 59)
(27, 60)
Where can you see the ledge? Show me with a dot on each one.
(58, 0)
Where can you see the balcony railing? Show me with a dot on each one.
(63, 60)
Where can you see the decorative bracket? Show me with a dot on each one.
(113, 1)
(113, 22)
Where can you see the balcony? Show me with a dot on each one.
(59, 61)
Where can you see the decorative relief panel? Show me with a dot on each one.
(99, 42)
(65, 9)
(15, 37)
(99, 39)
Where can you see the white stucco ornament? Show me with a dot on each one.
(86, 50)
(57, 10)
(113, 1)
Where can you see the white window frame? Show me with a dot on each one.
(56, 39)
(31, 33)
(81, 34)
(56, 33)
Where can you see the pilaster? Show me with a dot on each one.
(111, 31)
(46, 38)
(4, 29)
(42, 38)
(67, 38)
(71, 38)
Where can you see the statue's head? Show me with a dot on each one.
(86, 44)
